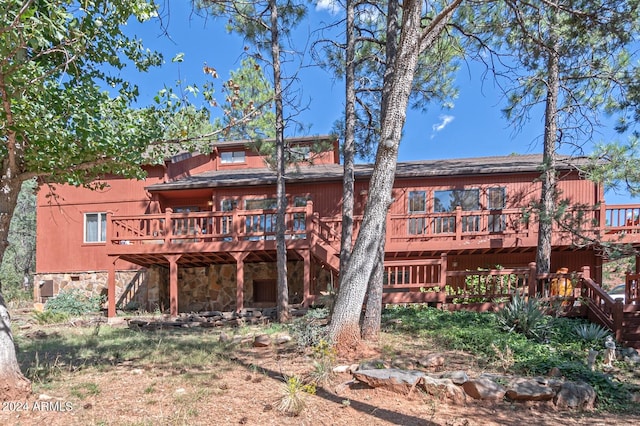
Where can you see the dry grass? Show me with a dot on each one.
(117, 376)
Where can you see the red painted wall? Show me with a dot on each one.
(60, 246)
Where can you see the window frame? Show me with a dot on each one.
(417, 225)
(496, 222)
(101, 231)
(237, 157)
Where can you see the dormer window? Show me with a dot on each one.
(231, 157)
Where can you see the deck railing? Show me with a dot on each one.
(255, 225)
(457, 224)
(193, 227)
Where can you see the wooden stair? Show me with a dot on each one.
(631, 326)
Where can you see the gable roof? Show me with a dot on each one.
(333, 172)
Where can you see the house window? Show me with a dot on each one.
(95, 227)
(300, 153)
(230, 157)
(185, 226)
(261, 204)
(417, 205)
(300, 219)
(263, 222)
(447, 201)
(496, 200)
(226, 221)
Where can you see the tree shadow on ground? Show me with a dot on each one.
(44, 354)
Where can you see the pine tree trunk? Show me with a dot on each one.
(373, 309)
(344, 328)
(282, 306)
(548, 195)
(348, 148)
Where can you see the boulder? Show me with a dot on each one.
(392, 379)
(281, 339)
(484, 388)
(443, 388)
(261, 341)
(457, 377)
(432, 361)
(575, 395)
(529, 390)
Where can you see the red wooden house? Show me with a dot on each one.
(198, 232)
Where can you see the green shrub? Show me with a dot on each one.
(310, 330)
(50, 317)
(524, 317)
(73, 302)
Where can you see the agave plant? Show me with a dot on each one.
(524, 316)
(593, 334)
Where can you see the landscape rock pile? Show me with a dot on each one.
(456, 386)
(247, 316)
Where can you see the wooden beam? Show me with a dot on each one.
(306, 286)
(111, 289)
(173, 283)
(239, 257)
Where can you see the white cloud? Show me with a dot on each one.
(331, 6)
(444, 121)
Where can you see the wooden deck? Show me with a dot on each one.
(215, 234)
(420, 275)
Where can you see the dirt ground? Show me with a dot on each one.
(245, 388)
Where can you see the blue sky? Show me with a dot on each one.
(474, 127)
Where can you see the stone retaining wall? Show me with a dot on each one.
(204, 288)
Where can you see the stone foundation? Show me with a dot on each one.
(88, 283)
(199, 289)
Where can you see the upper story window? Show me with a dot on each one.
(448, 200)
(230, 157)
(417, 204)
(95, 227)
(260, 204)
(496, 198)
(300, 152)
(300, 201)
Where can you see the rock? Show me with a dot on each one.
(484, 388)
(555, 372)
(457, 377)
(392, 379)
(432, 361)
(281, 339)
(575, 395)
(403, 363)
(529, 390)
(443, 387)
(342, 369)
(38, 307)
(224, 337)
(261, 341)
(210, 314)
